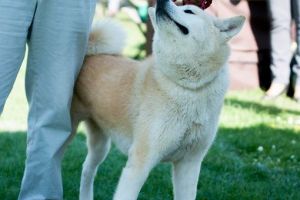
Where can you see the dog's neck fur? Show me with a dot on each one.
(195, 75)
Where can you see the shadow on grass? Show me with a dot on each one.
(233, 168)
(258, 107)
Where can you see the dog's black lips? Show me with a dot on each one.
(161, 12)
(182, 28)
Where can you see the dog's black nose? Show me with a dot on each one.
(161, 4)
(161, 7)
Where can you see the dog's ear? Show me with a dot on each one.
(230, 27)
(151, 12)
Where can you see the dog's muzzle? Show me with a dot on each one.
(162, 13)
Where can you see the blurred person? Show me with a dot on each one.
(56, 33)
(281, 17)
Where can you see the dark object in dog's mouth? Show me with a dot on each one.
(161, 12)
(203, 4)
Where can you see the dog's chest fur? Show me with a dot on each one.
(197, 124)
(196, 115)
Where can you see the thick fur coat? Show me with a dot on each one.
(165, 108)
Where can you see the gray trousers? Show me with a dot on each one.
(281, 39)
(56, 32)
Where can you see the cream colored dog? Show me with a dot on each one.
(163, 109)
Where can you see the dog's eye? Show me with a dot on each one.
(189, 12)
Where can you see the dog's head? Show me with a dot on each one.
(187, 37)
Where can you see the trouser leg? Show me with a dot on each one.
(15, 19)
(296, 12)
(280, 40)
(56, 50)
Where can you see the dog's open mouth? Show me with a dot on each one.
(162, 13)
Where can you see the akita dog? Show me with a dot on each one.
(165, 108)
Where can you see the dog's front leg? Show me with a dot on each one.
(139, 164)
(185, 176)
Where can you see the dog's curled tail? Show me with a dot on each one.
(107, 37)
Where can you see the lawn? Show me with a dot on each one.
(256, 155)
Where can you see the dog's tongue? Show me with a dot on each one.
(200, 3)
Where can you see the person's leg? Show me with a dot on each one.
(15, 19)
(280, 13)
(296, 67)
(56, 51)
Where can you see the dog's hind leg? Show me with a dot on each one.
(75, 117)
(98, 148)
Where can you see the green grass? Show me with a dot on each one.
(256, 154)
(233, 169)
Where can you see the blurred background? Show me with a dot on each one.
(257, 151)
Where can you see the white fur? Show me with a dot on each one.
(110, 38)
(176, 121)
